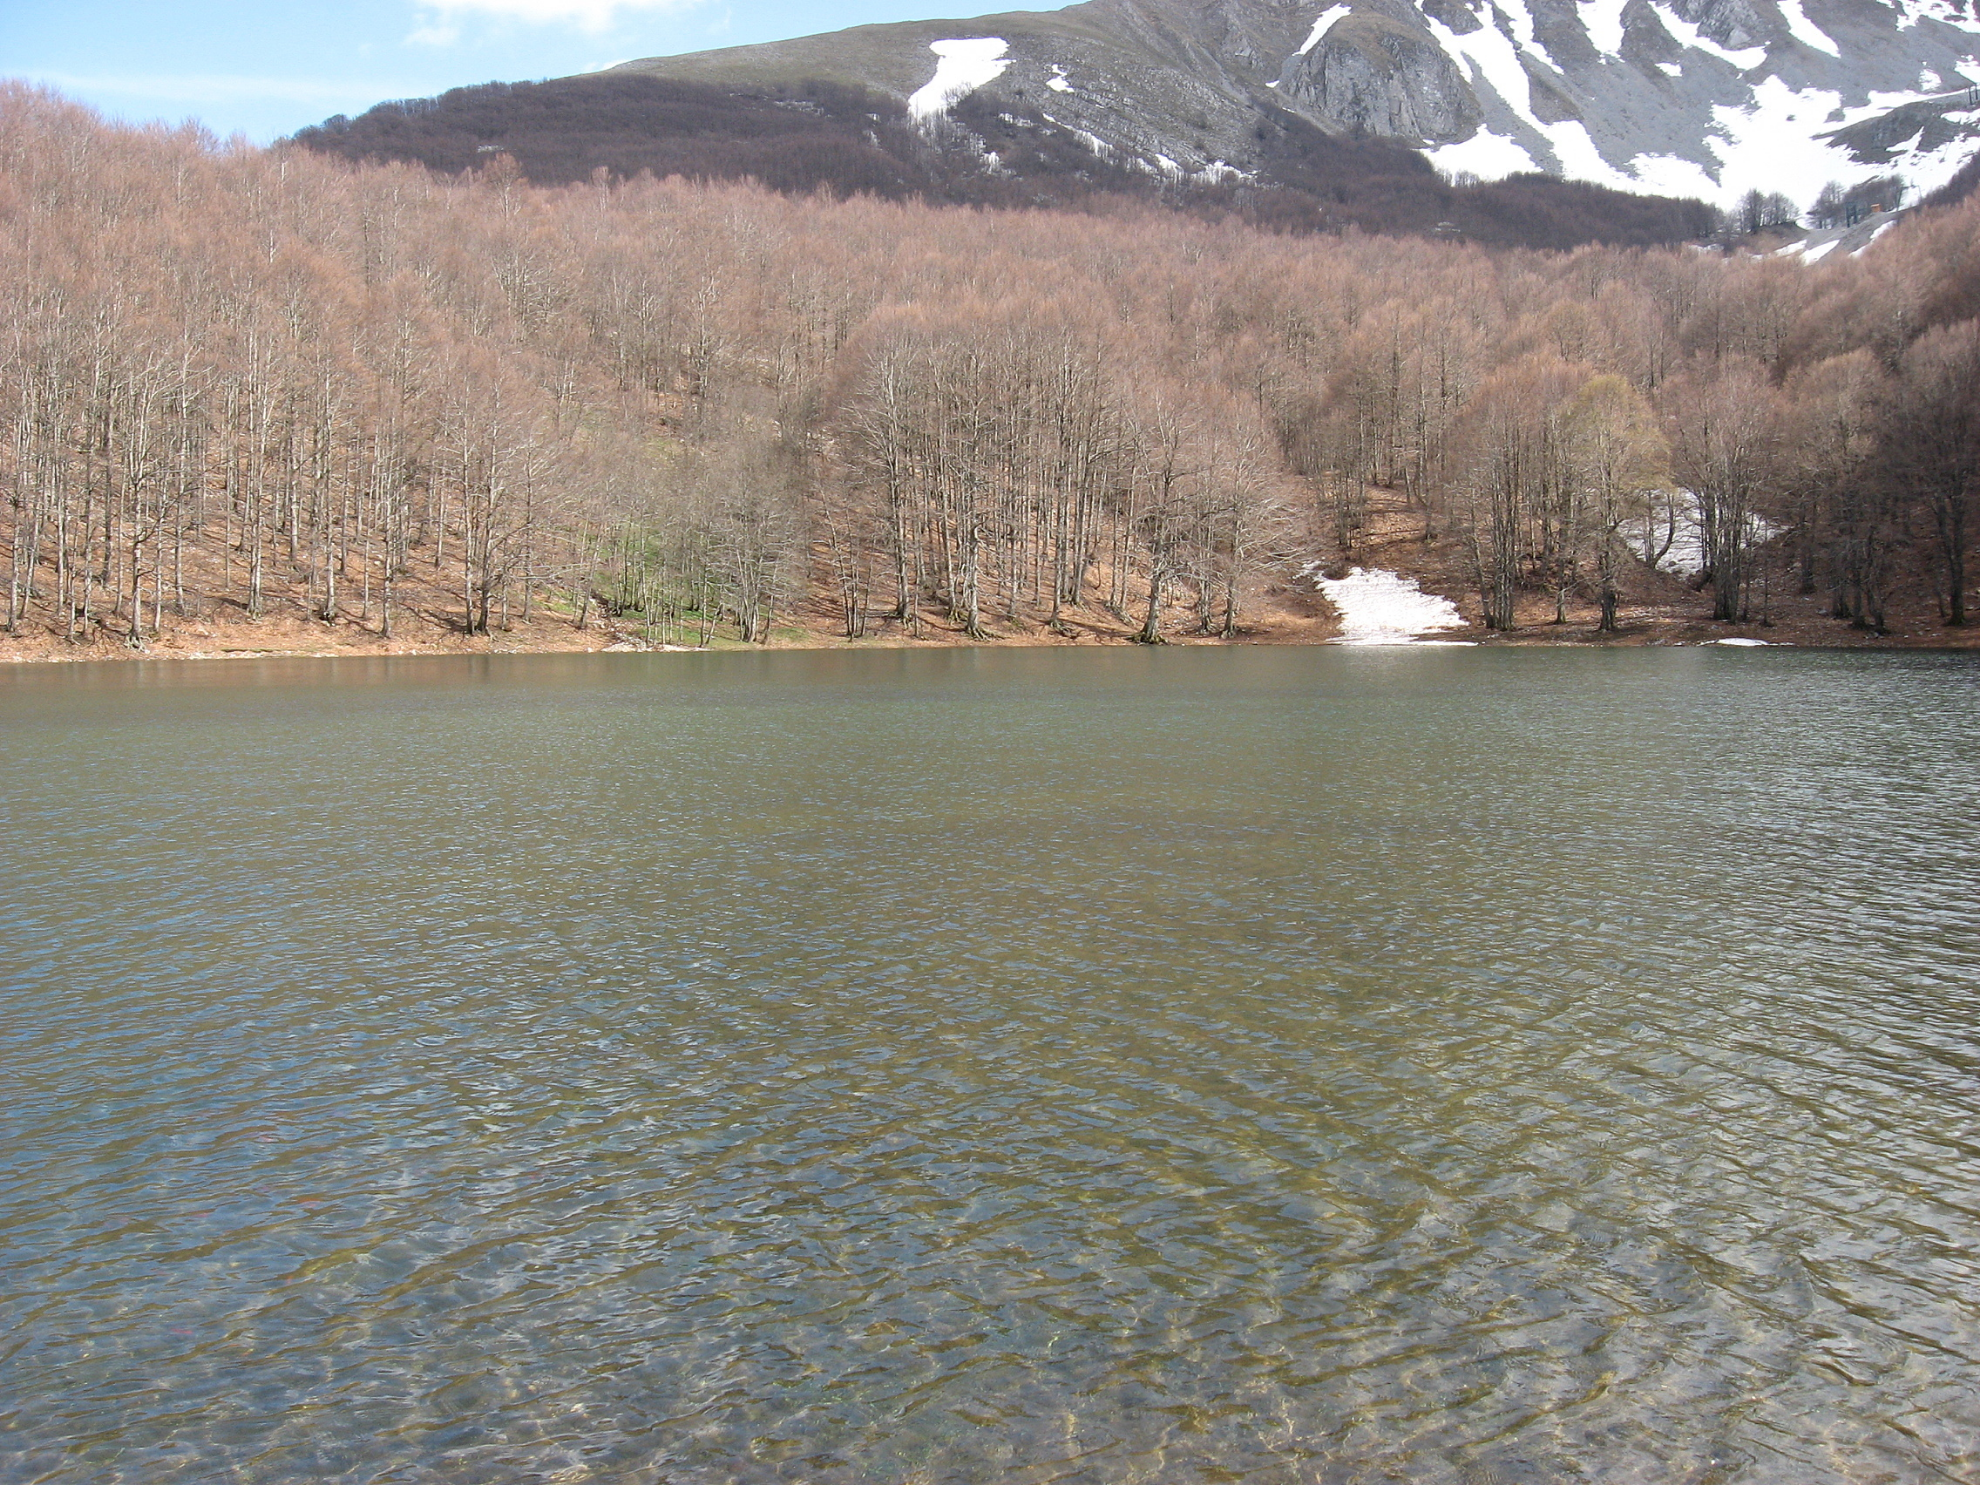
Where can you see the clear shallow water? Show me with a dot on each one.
(1087, 1066)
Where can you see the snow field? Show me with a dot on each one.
(1486, 155)
(1806, 31)
(965, 64)
(1604, 21)
(1378, 607)
(1946, 12)
(1685, 555)
(1771, 141)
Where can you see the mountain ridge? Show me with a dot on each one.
(1704, 98)
(826, 136)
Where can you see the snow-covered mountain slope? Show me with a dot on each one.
(1706, 98)
(1717, 97)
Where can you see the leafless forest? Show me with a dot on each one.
(238, 381)
(822, 137)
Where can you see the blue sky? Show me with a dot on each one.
(266, 69)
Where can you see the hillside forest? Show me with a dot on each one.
(239, 382)
(847, 141)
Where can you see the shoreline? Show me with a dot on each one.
(1373, 607)
(1665, 633)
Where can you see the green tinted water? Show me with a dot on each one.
(1059, 1065)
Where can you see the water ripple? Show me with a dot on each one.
(1073, 1066)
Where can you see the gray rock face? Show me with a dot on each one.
(1706, 98)
(1733, 24)
(1375, 76)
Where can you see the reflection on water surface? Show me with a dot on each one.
(1066, 1065)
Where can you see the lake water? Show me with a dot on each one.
(1092, 1065)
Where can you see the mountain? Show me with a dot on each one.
(804, 135)
(1700, 98)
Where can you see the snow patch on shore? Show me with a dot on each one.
(965, 65)
(1378, 607)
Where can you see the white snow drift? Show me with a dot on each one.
(1378, 607)
(966, 64)
(1322, 26)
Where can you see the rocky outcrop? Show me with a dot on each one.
(1373, 75)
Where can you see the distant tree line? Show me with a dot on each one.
(826, 137)
(1838, 205)
(235, 379)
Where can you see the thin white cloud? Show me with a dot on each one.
(440, 20)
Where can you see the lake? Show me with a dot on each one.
(967, 1065)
